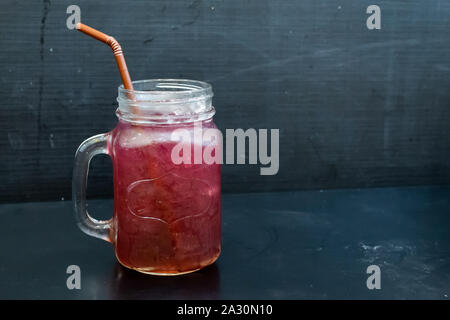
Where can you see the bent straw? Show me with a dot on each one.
(120, 59)
(116, 48)
(126, 80)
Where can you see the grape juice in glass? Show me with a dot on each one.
(167, 214)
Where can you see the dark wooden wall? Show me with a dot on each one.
(355, 107)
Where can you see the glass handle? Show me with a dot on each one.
(86, 151)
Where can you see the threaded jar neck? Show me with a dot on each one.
(165, 101)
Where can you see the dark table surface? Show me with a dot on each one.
(287, 245)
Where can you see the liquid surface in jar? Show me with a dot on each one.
(167, 216)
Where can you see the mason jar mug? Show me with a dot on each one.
(167, 213)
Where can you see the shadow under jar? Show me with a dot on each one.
(167, 215)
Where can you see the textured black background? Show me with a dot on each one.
(355, 107)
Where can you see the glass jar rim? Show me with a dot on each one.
(165, 101)
(159, 89)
